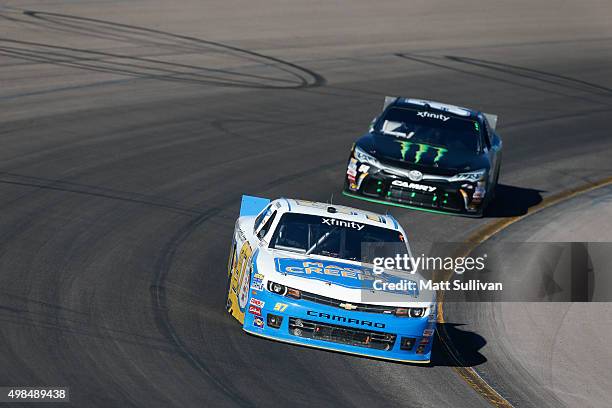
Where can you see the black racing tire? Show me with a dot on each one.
(494, 187)
(228, 304)
(230, 267)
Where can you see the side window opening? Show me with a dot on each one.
(486, 133)
(266, 227)
(232, 257)
(261, 216)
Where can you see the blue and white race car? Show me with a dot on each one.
(298, 273)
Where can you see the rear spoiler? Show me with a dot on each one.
(492, 119)
(389, 100)
(251, 205)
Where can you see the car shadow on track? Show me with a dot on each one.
(512, 201)
(454, 347)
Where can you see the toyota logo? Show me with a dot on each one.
(415, 175)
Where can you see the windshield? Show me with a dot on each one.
(313, 234)
(431, 129)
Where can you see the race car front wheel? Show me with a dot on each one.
(228, 302)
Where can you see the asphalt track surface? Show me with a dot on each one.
(129, 131)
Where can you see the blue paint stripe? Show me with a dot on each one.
(395, 224)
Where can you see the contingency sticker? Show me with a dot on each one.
(258, 322)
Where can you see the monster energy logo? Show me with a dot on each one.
(422, 148)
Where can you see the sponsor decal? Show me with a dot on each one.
(353, 186)
(257, 282)
(414, 186)
(424, 340)
(351, 170)
(255, 310)
(425, 114)
(364, 168)
(257, 302)
(421, 149)
(347, 275)
(333, 222)
(360, 180)
(280, 307)
(258, 322)
(343, 319)
(479, 193)
(404, 147)
(428, 332)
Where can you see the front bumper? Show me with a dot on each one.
(380, 186)
(315, 325)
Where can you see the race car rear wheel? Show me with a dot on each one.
(494, 186)
(228, 302)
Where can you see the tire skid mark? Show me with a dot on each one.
(295, 76)
(161, 309)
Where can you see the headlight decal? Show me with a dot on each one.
(354, 174)
(277, 288)
(477, 175)
(364, 157)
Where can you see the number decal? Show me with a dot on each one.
(280, 307)
(242, 275)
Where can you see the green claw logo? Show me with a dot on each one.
(422, 149)
(405, 146)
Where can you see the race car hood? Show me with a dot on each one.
(338, 279)
(402, 153)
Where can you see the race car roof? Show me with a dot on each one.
(432, 106)
(338, 211)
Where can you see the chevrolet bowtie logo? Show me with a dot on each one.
(348, 306)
